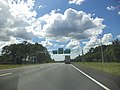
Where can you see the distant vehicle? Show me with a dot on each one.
(67, 59)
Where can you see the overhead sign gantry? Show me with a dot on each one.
(62, 51)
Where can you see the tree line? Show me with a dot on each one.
(111, 53)
(24, 53)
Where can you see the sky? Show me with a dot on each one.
(70, 24)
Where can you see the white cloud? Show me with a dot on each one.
(58, 10)
(18, 21)
(114, 8)
(40, 6)
(56, 45)
(72, 44)
(107, 39)
(111, 8)
(58, 57)
(46, 43)
(70, 25)
(96, 41)
(23, 9)
(77, 50)
(119, 13)
(118, 36)
(15, 16)
(11, 41)
(93, 42)
(77, 2)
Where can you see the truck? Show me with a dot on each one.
(67, 59)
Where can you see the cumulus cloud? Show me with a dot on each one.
(96, 41)
(15, 16)
(11, 41)
(46, 43)
(57, 57)
(111, 8)
(93, 42)
(24, 34)
(18, 20)
(40, 6)
(70, 25)
(118, 36)
(72, 44)
(77, 2)
(119, 13)
(106, 39)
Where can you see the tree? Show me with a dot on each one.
(25, 53)
(111, 53)
(116, 49)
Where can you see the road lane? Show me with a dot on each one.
(26, 68)
(10, 82)
(48, 77)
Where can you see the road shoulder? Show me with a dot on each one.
(109, 80)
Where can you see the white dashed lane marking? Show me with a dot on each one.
(5, 74)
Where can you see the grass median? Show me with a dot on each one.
(112, 68)
(10, 66)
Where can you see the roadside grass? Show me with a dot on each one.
(112, 68)
(10, 66)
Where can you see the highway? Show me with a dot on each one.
(54, 76)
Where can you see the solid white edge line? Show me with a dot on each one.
(103, 86)
(5, 74)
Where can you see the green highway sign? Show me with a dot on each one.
(54, 51)
(67, 51)
(60, 51)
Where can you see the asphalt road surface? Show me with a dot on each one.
(55, 76)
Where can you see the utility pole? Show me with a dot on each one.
(82, 56)
(102, 53)
(79, 52)
(102, 56)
